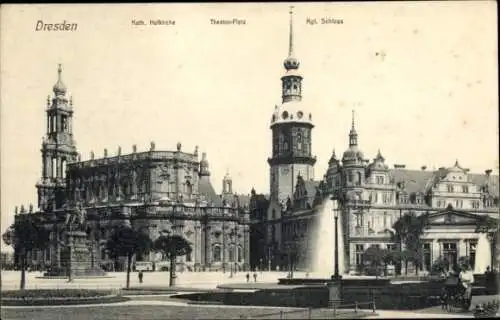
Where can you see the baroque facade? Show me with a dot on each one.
(373, 196)
(158, 192)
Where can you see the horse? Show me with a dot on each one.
(453, 295)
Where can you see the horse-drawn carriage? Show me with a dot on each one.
(454, 295)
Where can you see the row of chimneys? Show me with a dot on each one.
(402, 166)
(134, 150)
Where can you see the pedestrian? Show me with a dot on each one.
(255, 277)
(141, 275)
(248, 277)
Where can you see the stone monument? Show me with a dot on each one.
(78, 252)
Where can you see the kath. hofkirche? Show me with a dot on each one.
(158, 190)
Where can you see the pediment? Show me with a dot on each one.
(453, 217)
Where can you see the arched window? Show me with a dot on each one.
(189, 188)
(63, 167)
(54, 167)
(360, 177)
(124, 189)
(217, 254)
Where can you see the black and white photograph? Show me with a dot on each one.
(302, 160)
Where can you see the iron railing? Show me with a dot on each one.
(340, 311)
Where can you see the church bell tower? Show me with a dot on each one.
(58, 148)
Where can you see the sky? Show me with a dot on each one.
(421, 77)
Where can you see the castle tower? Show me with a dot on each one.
(353, 161)
(291, 126)
(58, 148)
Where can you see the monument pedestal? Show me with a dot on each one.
(78, 258)
(334, 286)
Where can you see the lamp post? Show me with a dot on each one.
(269, 259)
(232, 247)
(335, 283)
(336, 217)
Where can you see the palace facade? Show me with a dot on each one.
(372, 195)
(158, 192)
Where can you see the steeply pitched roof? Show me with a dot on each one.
(243, 199)
(422, 181)
(310, 187)
(206, 189)
(415, 180)
(482, 179)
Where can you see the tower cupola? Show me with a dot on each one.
(204, 167)
(59, 88)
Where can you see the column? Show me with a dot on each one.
(225, 251)
(203, 246)
(208, 246)
(462, 249)
(435, 251)
(44, 166)
(246, 247)
(49, 165)
(197, 248)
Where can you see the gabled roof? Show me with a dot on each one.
(311, 186)
(452, 216)
(206, 189)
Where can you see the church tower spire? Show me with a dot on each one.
(353, 135)
(58, 148)
(292, 80)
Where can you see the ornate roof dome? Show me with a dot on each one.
(353, 153)
(59, 88)
(291, 63)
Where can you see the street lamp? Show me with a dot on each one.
(335, 283)
(269, 259)
(336, 274)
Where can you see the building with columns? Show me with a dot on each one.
(156, 191)
(372, 195)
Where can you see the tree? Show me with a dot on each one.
(172, 246)
(440, 266)
(26, 234)
(408, 230)
(391, 257)
(375, 257)
(126, 242)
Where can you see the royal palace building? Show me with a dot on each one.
(158, 192)
(372, 195)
